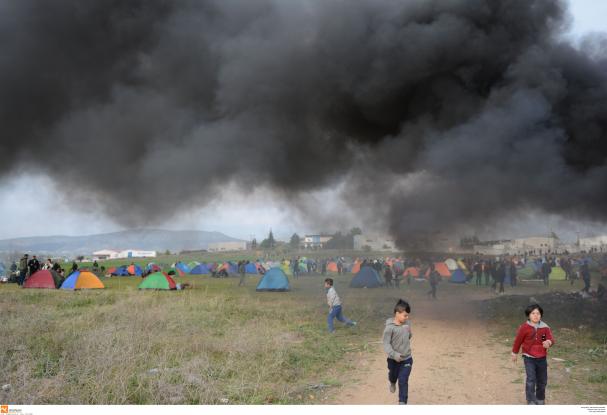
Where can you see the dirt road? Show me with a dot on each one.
(454, 361)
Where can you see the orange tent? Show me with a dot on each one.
(355, 267)
(332, 267)
(412, 271)
(441, 268)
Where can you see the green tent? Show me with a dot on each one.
(557, 274)
(158, 281)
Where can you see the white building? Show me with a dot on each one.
(538, 245)
(596, 243)
(126, 253)
(374, 242)
(227, 246)
(315, 241)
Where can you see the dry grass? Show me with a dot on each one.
(215, 343)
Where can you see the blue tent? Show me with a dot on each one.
(367, 277)
(182, 267)
(274, 280)
(458, 276)
(250, 268)
(121, 271)
(200, 269)
(232, 268)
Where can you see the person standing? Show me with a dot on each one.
(585, 273)
(513, 274)
(434, 278)
(500, 273)
(33, 265)
(397, 345)
(478, 270)
(535, 338)
(23, 267)
(487, 270)
(545, 270)
(335, 309)
(242, 268)
(388, 276)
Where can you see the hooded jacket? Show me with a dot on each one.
(397, 340)
(531, 338)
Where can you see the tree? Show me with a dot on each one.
(356, 231)
(269, 242)
(295, 240)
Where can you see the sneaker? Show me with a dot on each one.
(531, 403)
(539, 402)
(353, 324)
(392, 387)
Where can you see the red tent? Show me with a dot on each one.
(43, 279)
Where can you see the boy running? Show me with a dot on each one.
(397, 345)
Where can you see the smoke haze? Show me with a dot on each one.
(424, 115)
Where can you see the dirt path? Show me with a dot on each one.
(454, 361)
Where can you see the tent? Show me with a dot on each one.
(43, 279)
(120, 271)
(134, 270)
(176, 271)
(200, 269)
(451, 264)
(557, 274)
(153, 267)
(274, 280)
(461, 265)
(367, 277)
(182, 267)
(158, 281)
(458, 276)
(411, 271)
(441, 268)
(286, 268)
(79, 280)
(250, 268)
(192, 264)
(355, 267)
(332, 266)
(528, 272)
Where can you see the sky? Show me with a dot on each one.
(33, 205)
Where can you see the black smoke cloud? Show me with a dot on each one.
(438, 114)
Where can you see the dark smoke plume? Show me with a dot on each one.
(440, 114)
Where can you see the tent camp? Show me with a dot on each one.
(251, 268)
(200, 269)
(274, 280)
(158, 281)
(134, 269)
(458, 276)
(451, 264)
(367, 277)
(43, 279)
(81, 280)
(355, 267)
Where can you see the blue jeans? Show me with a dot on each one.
(336, 313)
(400, 371)
(537, 378)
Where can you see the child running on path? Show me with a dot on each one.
(397, 345)
(335, 310)
(536, 338)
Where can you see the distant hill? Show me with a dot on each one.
(142, 239)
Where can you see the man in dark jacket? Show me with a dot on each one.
(434, 278)
(33, 265)
(585, 273)
(513, 274)
(546, 272)
(500, 273)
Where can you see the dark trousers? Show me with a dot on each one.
(501, 290)
(242, 279)
(21, 278)
(587, 284)
(479, 279)
(486, 279)
(537, 378)
(432, 290)
(400, 371)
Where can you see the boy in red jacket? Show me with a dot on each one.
(536, 338)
